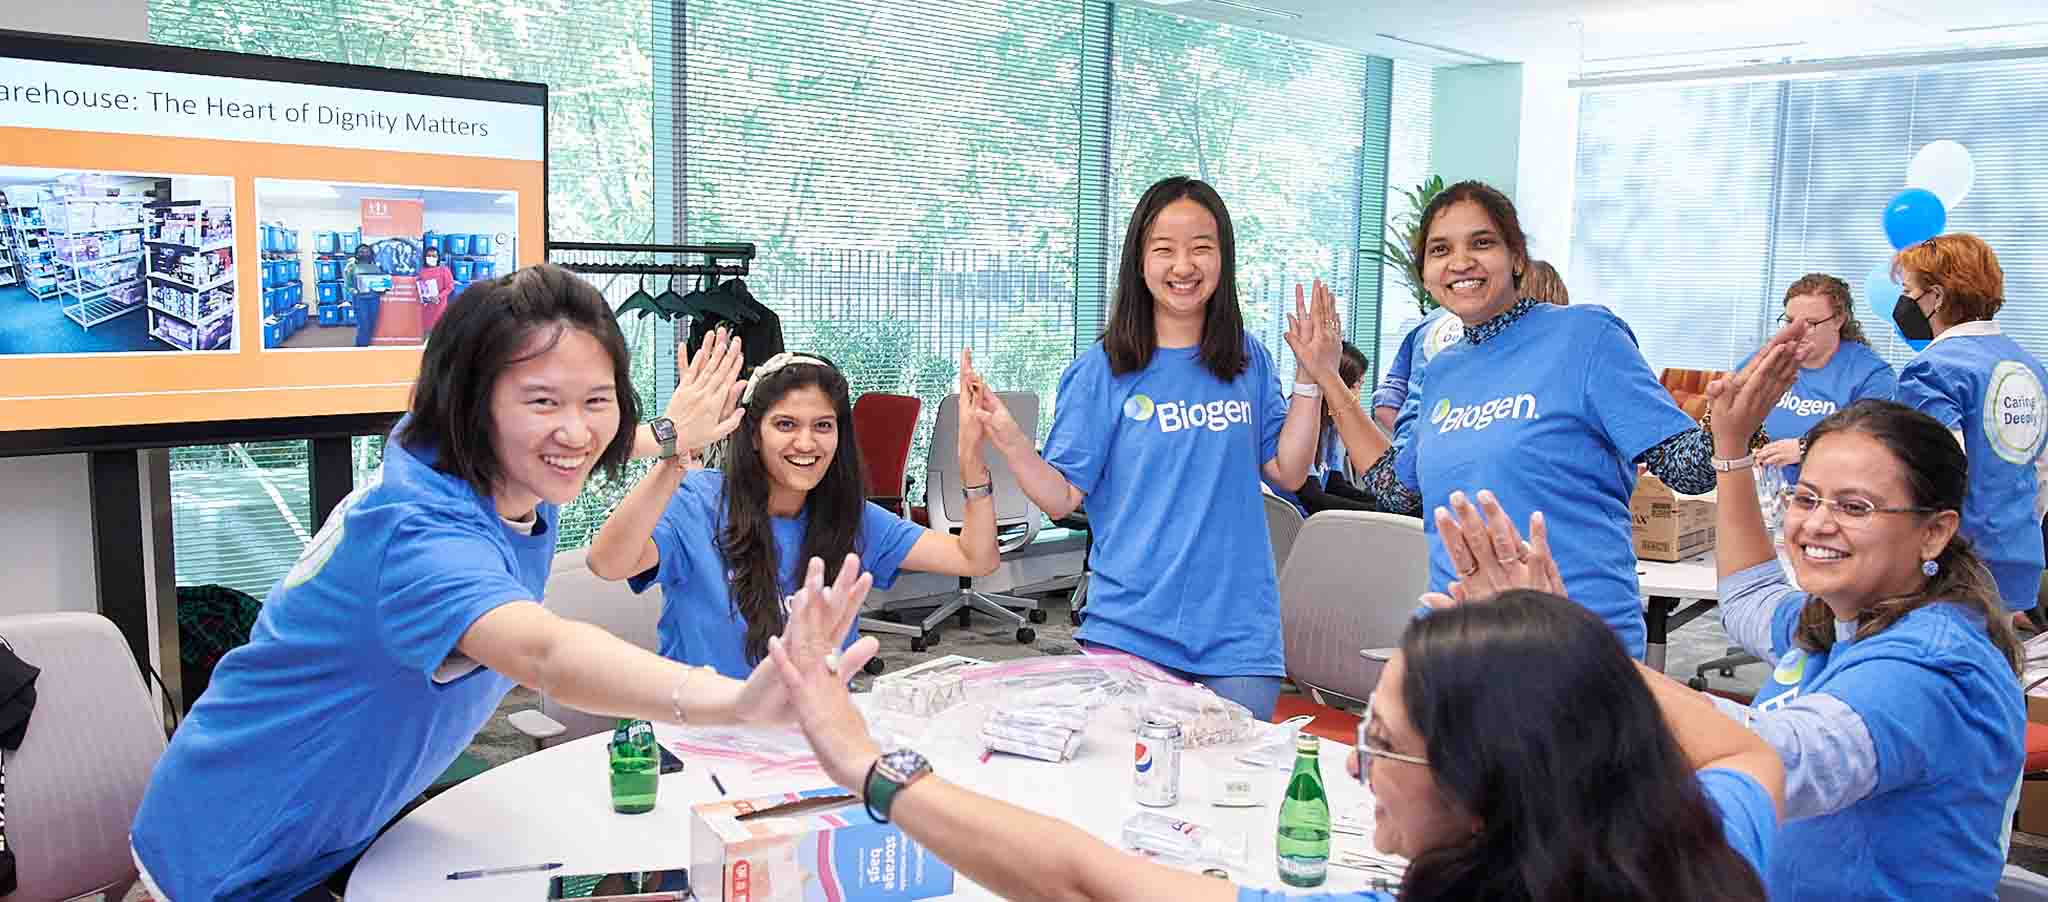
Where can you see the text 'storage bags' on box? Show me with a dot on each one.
(818, 845)
(1669, 526)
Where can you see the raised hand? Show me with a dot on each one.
(993, 416)
(818, 621)
(974, 422)
(1489, 556)
(811, 673)
(704, 406)
(1738, 404)
(1314, 332)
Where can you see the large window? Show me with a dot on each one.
(1410, 135)
(919, 179)
(1698, 204)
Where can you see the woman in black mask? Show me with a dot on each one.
(1988, 391)
(369, 299)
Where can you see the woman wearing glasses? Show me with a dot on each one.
(1988, 391)
(1836, 368)
(1895, 701)
(1514, 754)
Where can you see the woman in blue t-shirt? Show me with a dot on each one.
(1836, 368)
(726, 547)
(1165, 427)
(1987, 390)
(1550, 407)
(1512, 751)
(1895, 700)
(418, 606)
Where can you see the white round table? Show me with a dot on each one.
(555, 805)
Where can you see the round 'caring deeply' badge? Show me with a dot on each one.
(2014, 412)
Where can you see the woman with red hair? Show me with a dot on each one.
(1988, 391)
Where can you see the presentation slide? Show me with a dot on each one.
(191, 237)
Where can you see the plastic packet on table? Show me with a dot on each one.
(1273, 743)
(761, 750)
(1056, 748)
(926, 689)
(1206, 719)
(1175, 840)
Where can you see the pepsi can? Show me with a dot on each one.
(1158, 762)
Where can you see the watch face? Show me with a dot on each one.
(902, 763)
(664, 428)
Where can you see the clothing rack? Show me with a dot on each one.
(730, 259)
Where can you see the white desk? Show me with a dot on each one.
(1665, 586)
(555, 805)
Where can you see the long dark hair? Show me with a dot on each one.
(1537, 723)
(1130, 339)
(833, 508)
(485, 330)
(1937, 475)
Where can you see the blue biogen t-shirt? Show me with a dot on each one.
(700, 623)
(349, 697)
(1550, 414)
(1948, 724)
(1749, 824)
(1853, 373)
(1980, 383)
(1168, 458)
(1437, 331)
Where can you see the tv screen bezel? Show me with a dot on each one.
(228, 64)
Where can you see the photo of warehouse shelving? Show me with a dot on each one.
(108, 263)
(373, 266)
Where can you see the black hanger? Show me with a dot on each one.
(750, 306)
(723, 301)
(641, 301)
(670, 301)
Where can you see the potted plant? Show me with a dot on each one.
(1402, 231)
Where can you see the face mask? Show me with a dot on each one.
(1913, 324)
(433, 261)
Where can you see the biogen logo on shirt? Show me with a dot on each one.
(1482, 415)
(1175, 416)
(1806, 407)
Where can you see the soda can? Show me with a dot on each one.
(1158, 762)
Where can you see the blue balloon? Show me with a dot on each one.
(1881, 294)
(1913, 216)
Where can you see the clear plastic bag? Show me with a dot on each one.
(761, 750)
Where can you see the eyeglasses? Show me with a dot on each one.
(1369, 747)
(1852, 511)
(1786, 320)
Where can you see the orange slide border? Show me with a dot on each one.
(161, 387)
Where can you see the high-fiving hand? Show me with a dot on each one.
(1738, 404)
(811, 672)
(992, 417)
(704, 406)
(1489, 556)
(1315, 333)
(818, 620)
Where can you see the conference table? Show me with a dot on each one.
(555, 805)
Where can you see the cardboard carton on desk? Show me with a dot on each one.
(2032, 816)
(1669, 526)
(809, 846)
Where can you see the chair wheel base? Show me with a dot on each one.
(874, 666)
(1026, 635)
(919, 643)
(1697, 683)
(1036, 615)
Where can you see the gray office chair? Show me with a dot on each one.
(74, 785)
(2018, 884)
(1351, 582)
(578, 594)
(1017, 523)
(1283, 523)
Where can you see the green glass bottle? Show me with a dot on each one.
(1304, 839)
(636, 767)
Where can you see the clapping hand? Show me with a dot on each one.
(1738, 404)
(1489, 556)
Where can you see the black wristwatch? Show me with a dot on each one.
(887, 777)
(665, 433)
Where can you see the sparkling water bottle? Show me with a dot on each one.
(1304, 839)
(636, 767)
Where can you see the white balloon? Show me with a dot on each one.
(1945, 168)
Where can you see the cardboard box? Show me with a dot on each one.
(808, 846)
(1669, 526)
(2032, 816)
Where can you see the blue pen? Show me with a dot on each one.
(511, 869)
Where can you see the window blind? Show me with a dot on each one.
(1671, 222)
(1410, 136)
